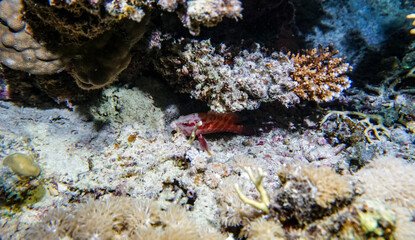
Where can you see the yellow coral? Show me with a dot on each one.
(263, 205)
(320, 76)
(412, 16)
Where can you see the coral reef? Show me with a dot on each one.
(309, 193)
(18, 49)
(92, 40)
(119, 218)
(208, 13)
(111, 168)
(320, 76)
(234, 82)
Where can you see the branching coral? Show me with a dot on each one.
(320, 76)
(226, 82)
(230, 81)
(371, 123)
(263, 205)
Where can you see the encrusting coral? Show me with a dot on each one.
(18, 49)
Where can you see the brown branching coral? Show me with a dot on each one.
(320, 75)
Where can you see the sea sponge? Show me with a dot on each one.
(22, 165)
(309, 193)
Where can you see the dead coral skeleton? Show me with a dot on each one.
(370, 122)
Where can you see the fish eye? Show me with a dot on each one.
(185, 124)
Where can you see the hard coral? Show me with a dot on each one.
(226, 82)
(320, 76)
(22, 165)
(101, 60)
(18, 49)
(209, 13)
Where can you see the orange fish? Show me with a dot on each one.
(197, 124)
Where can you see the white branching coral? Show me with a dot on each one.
(229, 83)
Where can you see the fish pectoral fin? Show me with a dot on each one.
(193, 135)
(203, 142)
